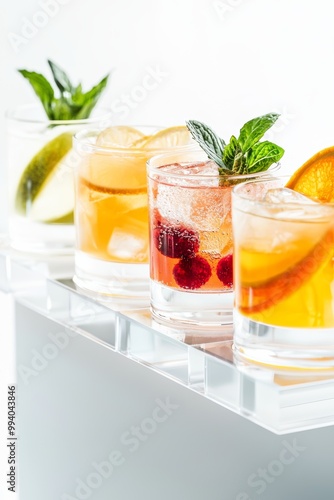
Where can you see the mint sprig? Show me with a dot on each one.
(72, 103)
(242, 155)
(207, 139)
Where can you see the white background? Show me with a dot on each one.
(221, 62)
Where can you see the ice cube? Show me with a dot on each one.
(172, 202)
(288, 205)
(203, 207)
(286, 195)
(192, 168)
(203, 173)
(129, 242)
(210, 209)
(184, 199)
(216, 243)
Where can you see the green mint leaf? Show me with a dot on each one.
(72, 104)
(208, 141)
(240, 164)
(77, 95)
(90, 99)
(42, 88)
(62, 109)
(263, 155)
(240, 156)
(230, 151)
(60, 77)
(254, 130)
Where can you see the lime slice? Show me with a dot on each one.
(65, 219)
(55, 200)
(45, 191)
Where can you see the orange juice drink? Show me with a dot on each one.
(111, 213)
(112, 208)
(284, 276)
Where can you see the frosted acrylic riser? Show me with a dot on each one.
(202, 361)
(280, 401)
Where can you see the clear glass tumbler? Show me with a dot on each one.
(284, 276)
(111, 215)
(191, 247)
(40, 179)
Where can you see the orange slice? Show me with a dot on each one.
(267, 293)
(315, 178)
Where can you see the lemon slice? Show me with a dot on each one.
(43, 194)
(119, 136)
(167, 138)
(141, 142)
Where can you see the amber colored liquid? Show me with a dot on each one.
(284, 273)
(111, 209)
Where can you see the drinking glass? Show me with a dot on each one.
(284, 286)
(40, 179)
(191, 247)
(111, 215)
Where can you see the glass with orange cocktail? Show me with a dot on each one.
(111, 212)
(284, 272)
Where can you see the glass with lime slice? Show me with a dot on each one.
(40, 178)
(41, 159)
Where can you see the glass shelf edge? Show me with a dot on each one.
(195, 360)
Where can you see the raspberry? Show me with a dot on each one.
(175, 241)
(225, 270)
(157, 217)
(192, 273)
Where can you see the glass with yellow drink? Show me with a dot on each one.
(284, 276)
(111, 214)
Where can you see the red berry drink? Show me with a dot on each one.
(191, 261)
(191, 246)
(191, 233)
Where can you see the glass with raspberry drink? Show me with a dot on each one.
(191, 247)
(191, 263)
